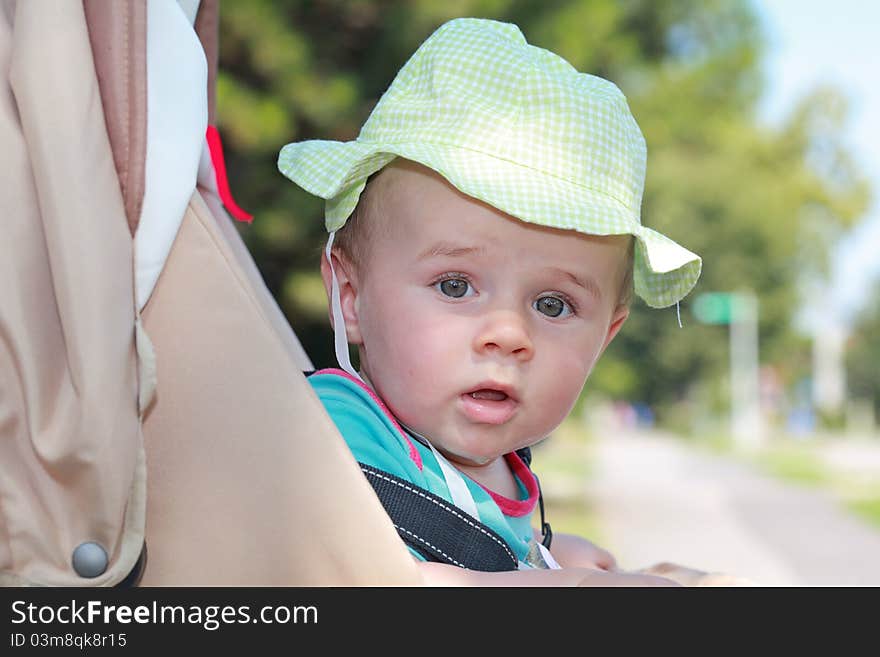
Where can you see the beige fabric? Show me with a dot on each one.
(248, 480)
(269, 311)
(71, 461)
(118, 36)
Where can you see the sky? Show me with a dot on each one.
(813, 43)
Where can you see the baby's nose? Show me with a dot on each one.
(505, 333)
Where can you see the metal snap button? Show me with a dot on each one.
(89, 560)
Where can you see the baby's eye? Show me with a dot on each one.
(453, 287)
(552, 306)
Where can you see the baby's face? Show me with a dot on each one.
(478, 330)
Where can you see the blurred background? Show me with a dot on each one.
(762, 158)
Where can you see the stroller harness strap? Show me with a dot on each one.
(437, 529)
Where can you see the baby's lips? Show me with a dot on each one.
(497, 410)
(489, 394)
(493, 391)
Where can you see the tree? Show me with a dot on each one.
(760, 206)
(863, 354)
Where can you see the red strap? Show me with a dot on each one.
(215, 147)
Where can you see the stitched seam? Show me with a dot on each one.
(129, 120)
(442, 506)
(430, 545)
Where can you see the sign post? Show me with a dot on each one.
(740, 311)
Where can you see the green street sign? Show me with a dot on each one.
(714, 307)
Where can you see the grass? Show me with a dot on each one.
(798, 463)
(861, 495)
(867, 507)
(793, 464)
(564, 464)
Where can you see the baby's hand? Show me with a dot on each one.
(577, 552)
(694, 577)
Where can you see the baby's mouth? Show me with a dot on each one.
(489, 405)
(489, 394)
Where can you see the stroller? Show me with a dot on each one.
(155, 422)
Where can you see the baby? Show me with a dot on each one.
(485, 239)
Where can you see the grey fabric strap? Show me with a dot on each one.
(438, 530)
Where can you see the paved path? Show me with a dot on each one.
(658, 500)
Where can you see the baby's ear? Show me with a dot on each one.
(618, 317)
(346, 277)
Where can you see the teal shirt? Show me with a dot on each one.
(375, 438)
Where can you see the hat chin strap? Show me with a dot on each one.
(340, 339)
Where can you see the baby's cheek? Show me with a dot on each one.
(565, 386)
(411, 374)
(436, 341)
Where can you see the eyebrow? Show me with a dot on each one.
(587, 282)
(450, 250)
(453, 250)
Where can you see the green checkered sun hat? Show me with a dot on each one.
(512, 125)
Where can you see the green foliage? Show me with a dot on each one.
(762, 207)
(863, 355)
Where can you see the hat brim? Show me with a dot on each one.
(664, 271)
